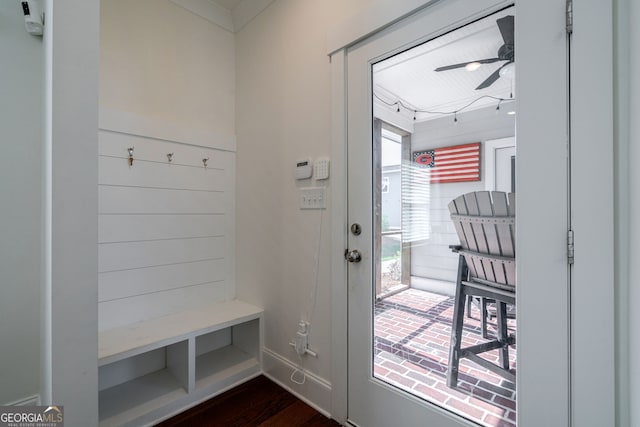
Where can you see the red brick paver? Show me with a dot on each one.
(412, 333)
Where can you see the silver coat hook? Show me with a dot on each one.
(169, 157)
(204, 161)
(130, 150)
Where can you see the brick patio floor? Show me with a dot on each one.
(412, 334)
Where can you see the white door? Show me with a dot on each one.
(542, 215)
(505, 167)
(500, 155)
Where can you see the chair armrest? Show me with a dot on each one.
(455, 248)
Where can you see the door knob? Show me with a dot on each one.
(353, 256)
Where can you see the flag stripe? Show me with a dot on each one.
(455, 171)
(454, 152)
(453, 176)
(456, 157)
(456, 164)
(454, 168)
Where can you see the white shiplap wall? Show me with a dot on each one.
(165, 229)
(431, 258)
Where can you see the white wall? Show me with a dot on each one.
(283, 114)
(20, 205)
(161, 62)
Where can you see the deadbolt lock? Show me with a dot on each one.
(356, 229)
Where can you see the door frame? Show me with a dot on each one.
(592, 273)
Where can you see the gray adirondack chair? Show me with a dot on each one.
(485, 224)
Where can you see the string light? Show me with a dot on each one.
(415, 111)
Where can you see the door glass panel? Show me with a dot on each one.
(429, 134)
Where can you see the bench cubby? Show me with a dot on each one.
(154, 369)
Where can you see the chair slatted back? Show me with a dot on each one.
(485, 224)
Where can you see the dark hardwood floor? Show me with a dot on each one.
(258, 402)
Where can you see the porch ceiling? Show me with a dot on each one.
(410, 76)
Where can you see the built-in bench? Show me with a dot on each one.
(151, 370)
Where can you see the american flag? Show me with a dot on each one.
(457, 163)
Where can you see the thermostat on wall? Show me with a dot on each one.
(304, 169)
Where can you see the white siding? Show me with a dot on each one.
(20, 206)
(165, 228)
(431, 257)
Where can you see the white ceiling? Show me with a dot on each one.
(232, 15)
(410, 76)
(228, 4)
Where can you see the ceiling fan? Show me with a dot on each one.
(505, 53)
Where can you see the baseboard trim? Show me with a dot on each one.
(316, 391)
(27, 401)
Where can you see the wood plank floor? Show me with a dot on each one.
(258, 402)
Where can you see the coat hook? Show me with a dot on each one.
(169, 157)
(130, 150)
(204, 161)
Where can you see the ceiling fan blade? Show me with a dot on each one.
(492, 78)
(505, 24)
(464, 64)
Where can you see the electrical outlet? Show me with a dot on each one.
(302, 338)
(301, 343)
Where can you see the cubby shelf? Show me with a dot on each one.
(220, 365)
(153, 369)
(140, 396)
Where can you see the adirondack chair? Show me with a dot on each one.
(485, 224)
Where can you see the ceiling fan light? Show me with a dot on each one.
(472, 66)
(508, 70)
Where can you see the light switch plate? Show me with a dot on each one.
(313, 198)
